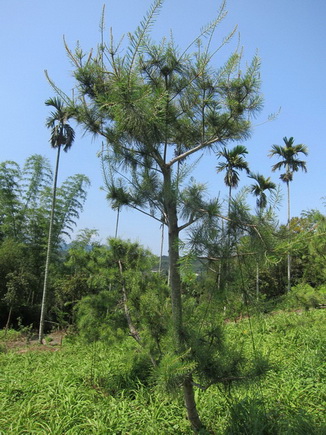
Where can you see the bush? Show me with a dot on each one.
(305, 296)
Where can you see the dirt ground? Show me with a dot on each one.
(51, 343)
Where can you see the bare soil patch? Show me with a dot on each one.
(51, 343)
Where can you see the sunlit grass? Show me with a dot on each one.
(92, 389)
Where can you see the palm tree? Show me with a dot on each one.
(289, 160)
(62, 136)
(258, 189)
(234, 162)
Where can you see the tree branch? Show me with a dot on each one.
(192, 151)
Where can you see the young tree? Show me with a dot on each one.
(157, 107)
(62, 135)
(291, 163)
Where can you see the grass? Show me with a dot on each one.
(97, 390)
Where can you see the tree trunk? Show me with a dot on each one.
(133, 331)
(228, 256)
(257, 280)
(288, 227)
(190, 403)
(48, 253)
(161, 250)
(117, 223)
(174, 273)
(175, 286)
(8, 320)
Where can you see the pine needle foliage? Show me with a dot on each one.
(156, 107)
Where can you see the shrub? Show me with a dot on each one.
(305, 296)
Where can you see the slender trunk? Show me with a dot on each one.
(175, 280)
(221, 263)
(175, 286)
(133, 331)
(190, 403)
(228, 256)
(230, 199)
(257, 279)
(288, 228)
(48, 253)
(8, 320)
(219, 276)
(117, 223)
(161, 250)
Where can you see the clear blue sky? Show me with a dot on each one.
(289, 36)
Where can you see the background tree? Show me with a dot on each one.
(289, 160)
(157, 107)
(26, 198)
(62, 135)
(259, 188)
(10, 211)
(234, 162)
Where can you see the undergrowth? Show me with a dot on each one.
(94, 389)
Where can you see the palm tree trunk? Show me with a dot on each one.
(48, 253)
(229, 203)
(117, 223)
(228, 259)
(288, 228)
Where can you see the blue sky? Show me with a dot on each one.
(289, 36)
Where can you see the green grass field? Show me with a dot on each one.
(93, 389)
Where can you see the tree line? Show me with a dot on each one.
(25, 209)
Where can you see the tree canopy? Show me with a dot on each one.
(156, 106)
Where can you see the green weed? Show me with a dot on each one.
(95, 389)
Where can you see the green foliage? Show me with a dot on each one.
(95, 389)
(62, 134)
(25, 199)
(125, 291)
(172, 370)
(10, 215)
(234, 162)
(305, 296)
(25, 202)
(157, 106)
(289, 154)
(9, 335)
(70, 199)
(248, 417)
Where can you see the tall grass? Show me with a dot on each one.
(92, 389)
